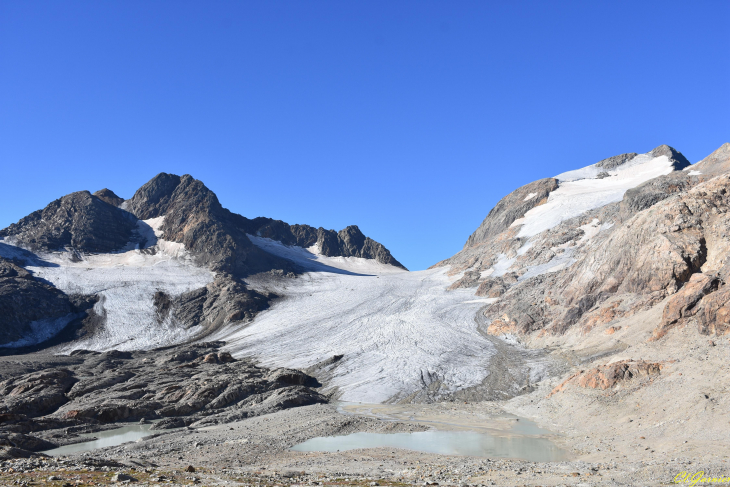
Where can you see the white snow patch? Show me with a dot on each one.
(397, 330)
(518, 221)
(695, 173)
(530, 196)
(483, 300)
(590, 230)
(502, 265)
(578, 193)
(486, 273)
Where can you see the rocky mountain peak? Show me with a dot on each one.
(716, 163)
(78, 220)
(108, 196)
(677, 159)
(153, 198)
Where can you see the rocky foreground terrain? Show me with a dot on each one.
(594, 303)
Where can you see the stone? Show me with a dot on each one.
(122, 477)
(611, 375)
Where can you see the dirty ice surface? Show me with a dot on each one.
(580, 191)
(126, 282)
(397, 331)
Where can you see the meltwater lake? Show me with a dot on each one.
(497, 437)
(445, 443)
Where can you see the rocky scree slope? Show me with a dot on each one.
(83, 227)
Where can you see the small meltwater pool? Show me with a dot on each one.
(445, 443)
(453, 432)
(103, 439)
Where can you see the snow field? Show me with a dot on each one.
(126, 283)
(398, 330)
(574, 196)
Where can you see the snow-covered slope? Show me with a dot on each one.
(126, 282)
(582, 190)
(398, 331)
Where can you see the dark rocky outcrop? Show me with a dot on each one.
(223, 301)
(677, 159)
(80, 221)
(194, 216)
(615, 161)
(348, 242)
(653, 191)
(37, 393)
(184, 384)
(25, 301)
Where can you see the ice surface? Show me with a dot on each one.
(397, 330)
(579, 192)
(126, 282)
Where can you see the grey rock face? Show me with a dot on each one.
(24, 442)
(195, 217)
(24, 300)
(108, 196)
(153, 198)
(512, 207)
(653, 191)
(79, 220)
(37, 393)
(348, 242)
(615, 161)
(716, 163)
(223, 301)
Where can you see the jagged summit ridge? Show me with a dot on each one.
(191, 209)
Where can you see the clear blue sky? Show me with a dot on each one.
(409, 119)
